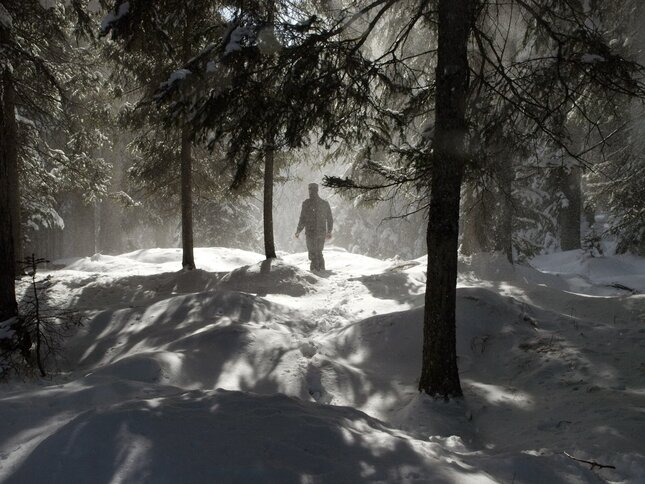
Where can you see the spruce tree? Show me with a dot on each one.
(39, 74)
(150, 42)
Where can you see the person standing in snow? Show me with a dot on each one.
(316, 220)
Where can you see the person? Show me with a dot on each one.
(316, 220)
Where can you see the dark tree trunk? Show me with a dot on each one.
(9, 134)
(569, 217)
(110, 230)
(16, 226)
(188, 258)
(12, 157)
(269, 244)
(98, 245)
(439, 374)
(8, 192)
(504, 236)
(269, 152)
(39, 327)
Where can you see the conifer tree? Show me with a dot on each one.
(151, 41)
(39, 74)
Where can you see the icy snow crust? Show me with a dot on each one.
(249, 371)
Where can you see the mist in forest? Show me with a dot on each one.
(117, 225)
(522, 200)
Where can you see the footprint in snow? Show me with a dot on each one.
(315, 385)
(308, 349)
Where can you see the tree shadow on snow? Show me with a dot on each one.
(196, 437)
(392, 285)
(271, 276)
(142, 290)
(540, 350)
(114, 333)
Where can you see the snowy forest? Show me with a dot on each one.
(319, 241)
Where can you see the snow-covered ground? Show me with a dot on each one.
(249, 371)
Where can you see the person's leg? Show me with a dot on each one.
(315, 263)
(320, 261)
(311, 250)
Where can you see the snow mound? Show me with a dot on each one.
(550, 360)
(222, 436)
(153, 261)
(271, 276)
(212, 259)
(134, 290)
(609, 275)
(145, 368)
(376, 360)
(204, 340)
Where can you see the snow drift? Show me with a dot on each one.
(242, 373)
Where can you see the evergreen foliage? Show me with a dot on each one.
(61, 116)
(44, 58)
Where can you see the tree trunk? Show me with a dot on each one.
(12, 157)
(569, 217)
(8, 192)
(269, 152)
(188, 258)
(269, 244)
(110, 231)
(98, 245)
(439, 374)
(504, 235)
(16, 226)
(9, 133)
(39, 327)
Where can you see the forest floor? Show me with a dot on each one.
(249, 371)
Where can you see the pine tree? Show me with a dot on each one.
(439, 374)
(38, 76)
(151, 41)
(8, 176)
